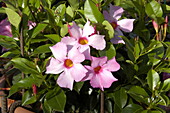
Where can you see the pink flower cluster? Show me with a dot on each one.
(73, 50)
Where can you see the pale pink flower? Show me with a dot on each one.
(5, 28)
(84, 38)
(68, 63)
(125, 25)
(31, 25)
(99, 73)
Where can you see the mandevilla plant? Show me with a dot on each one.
(87, 56)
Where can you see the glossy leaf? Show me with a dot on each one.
(166, 85)
(7, 42)
(43, 49)
(109, 29)
(53, 38)
(132, 108)
(28, 98)
(25, 65)
(56, 99)
(13, 17)
(153, 9)
(34, 32)
(153, 79)
(92, 13)
(120, 97)
(74, 3)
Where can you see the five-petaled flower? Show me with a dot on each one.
(83, 39)
(99, 73)
(68, 63)
(125, 25)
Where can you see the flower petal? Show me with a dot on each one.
(97, 41)
(96, 61)
(111, 65)
(78, 72)
(96, 82)
(59, 51)
(65, 80)
(68, 40)
(75, 55)
(126, 25)
(115, 11)
(89, 74)
(108, 17)
(117, 40)
(88, 30)
(106, 78)
(75, 31)
(54, 66)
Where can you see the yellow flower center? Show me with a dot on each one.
(114, 25)
(97, 69)
(83, 41)
(68, 63)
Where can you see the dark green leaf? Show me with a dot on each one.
(25, 65)
(120, 97)
(92, 13)
(43, 49)
(35, 31)
(7, 42)
(132, 108)
(28, 98)
(152, 79)
(166, 85)
(56, 99)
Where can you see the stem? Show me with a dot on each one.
(22, 50)
(101, 102)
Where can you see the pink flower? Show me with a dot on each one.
(68, 63)
(5, 28)
(31, 25)
(125, 25)
(84, 38)
(99, 73)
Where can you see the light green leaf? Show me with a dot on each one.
(153, 9)
(92, 13)
(152, 79)
(27, 98)
(13, 17)
(109, 28)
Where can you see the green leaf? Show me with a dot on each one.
(157, 52)
(120, 97)
(43, 49)
(74, 3)
(27, 98)
(61, 9)
(166, 85)
(132, 108)
(13, 17)
(152, 79)
(25, 65)
(139, 94)
(109, 28)
(35, 31)
(64, 30)
(46, 107)
(109, 51)
(56, 99)
(153, 9)
(7, 42)
(92, 13)
(167, 52)
(70, 13)
(53, 38)
(2, 10)
(78, 86)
